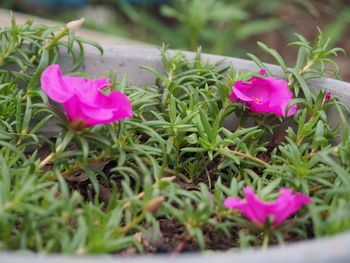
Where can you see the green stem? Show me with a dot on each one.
(56, 39)
(126, 228)
(194, 35)
(266, 239)
(170, 171)
(67, 138)
(32, 60)
(50, 157)
(248, 156)
(78, 166)
(48, 45)
(309, 64)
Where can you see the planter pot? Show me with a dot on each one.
(327, 250)
(127, 60)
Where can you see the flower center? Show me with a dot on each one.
(256, 99)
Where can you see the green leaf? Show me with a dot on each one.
(259, 63)
(343, 174)
(275, 55)
(43, 64)
(89, 42)
(27, 114)
(305, 88)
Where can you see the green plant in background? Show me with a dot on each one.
(123, 185)
(196, 23)
(201, 21)
(224, 27)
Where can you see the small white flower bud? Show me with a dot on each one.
(75, 24)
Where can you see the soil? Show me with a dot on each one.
(173, 237)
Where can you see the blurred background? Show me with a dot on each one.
(225, 27)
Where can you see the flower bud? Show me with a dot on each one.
(75, 24)
(327, 98)
(154, 204)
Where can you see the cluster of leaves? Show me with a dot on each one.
(174, 161)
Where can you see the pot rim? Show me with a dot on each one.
(333, 249)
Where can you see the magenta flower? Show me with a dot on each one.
(258, 211)
(83, 99)
(265, 94)
(327, 97)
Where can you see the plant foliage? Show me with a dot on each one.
(175, 161)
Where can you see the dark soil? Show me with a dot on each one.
(173, 237)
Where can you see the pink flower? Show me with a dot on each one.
(258, 211)
(265, 94)
(83, 99)
(327, 98)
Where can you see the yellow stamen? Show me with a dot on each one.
(256, 99)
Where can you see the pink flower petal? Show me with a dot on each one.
(254, 208)
(262, 93)
(233, 97)
(233, 203)
(101, 83)
(53, 85)
(83, 99)
(262, 72)
(124, 105)
(82, 88)
(258, 211)
(265, 94)
(240, 89)
(91, 115)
